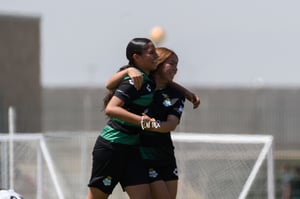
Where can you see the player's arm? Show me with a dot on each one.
(192, 97)
(133, 73)
(114, 109)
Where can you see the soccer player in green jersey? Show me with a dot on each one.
(156, 145)
(116, 155)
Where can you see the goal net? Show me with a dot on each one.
(58, 165)
(27, 167)
(224, 166)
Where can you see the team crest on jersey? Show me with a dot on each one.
(107, 181)
(168, 101)
(152, 173)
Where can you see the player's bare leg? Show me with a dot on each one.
(94, 193)
(159, 190)
(138, 191)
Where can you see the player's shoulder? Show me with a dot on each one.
(174, 92)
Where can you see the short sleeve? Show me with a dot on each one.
(178, 107)
(126, 90)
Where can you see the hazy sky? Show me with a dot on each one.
(219, 42)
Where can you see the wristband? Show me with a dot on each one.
(156, 124)
(142, 123)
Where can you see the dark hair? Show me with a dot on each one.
(136, 46)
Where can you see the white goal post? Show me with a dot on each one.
(210, 166)
(264, 155)
(29, 163)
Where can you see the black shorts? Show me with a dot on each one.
(113, 163)
(161, 170)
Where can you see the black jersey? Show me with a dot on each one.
(135, 102)
(155, 145)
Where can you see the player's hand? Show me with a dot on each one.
(146, 118)
(148, 122)
(136, 76)
(195, 99)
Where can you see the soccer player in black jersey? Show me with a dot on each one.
(156, 145)
(116, 155)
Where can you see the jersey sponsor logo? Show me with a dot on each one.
(152, 173)
(107, 181)
(123, 93)
(148, 87)
(131, 82)
(180, 109)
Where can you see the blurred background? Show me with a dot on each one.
(240, 57)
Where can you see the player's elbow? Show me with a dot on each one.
(173, 123)
(108, 86)
(170, 127)
(173, 128)
(108, 111)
